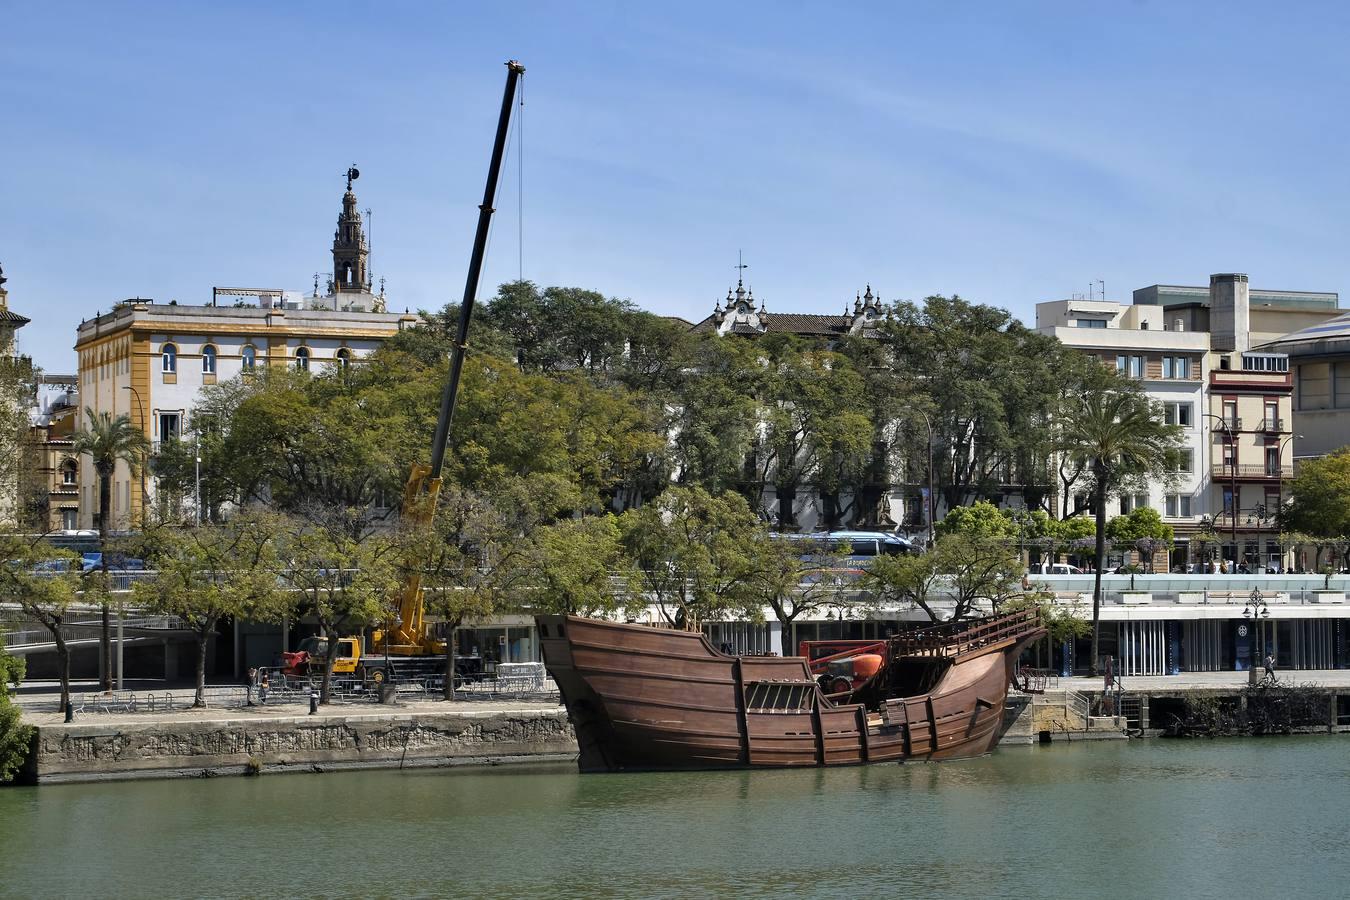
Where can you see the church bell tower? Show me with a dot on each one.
(350, 251)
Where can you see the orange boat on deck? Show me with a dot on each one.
(652, 698)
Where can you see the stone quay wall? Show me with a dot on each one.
(169, 746)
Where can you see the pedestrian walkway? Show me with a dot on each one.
(1332, 678)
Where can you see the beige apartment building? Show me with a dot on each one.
(1196, 352)
(151, 360)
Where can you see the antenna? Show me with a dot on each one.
(1103, 284)
(316, 283)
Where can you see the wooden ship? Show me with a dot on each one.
(641, 697)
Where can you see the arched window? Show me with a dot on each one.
(249, 357)
(302, 359)
(208, 360)
(344, 358)
(69, 471)
(168, 359)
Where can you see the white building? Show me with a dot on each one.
(151, 360)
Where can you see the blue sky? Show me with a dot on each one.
(1007, 152)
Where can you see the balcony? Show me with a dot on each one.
(1276, 425)
(1261, 472)
(1230, 423)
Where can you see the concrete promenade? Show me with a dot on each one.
(1202, 681)
(281, 738)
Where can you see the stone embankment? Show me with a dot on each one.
(240, 741)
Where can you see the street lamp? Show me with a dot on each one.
(145, 462)
(1279, 510)
(928, 424)
(1228, 428)
(1257, 611)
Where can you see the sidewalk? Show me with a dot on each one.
(1332, 678)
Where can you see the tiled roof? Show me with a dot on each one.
(10, 317)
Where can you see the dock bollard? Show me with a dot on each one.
(313, 701)
(70, 711)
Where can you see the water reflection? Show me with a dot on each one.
(1124, 818)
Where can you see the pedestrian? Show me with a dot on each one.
(1270, 667)
(251, 683)
(263, 685)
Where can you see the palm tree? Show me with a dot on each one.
(1118, 435)
(107, 440)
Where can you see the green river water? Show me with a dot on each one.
(1254, 818)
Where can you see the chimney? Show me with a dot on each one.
(1229, 312)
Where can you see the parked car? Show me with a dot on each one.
(1056, 569)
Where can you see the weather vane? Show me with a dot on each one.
(352, 174)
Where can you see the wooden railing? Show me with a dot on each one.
(959, 637)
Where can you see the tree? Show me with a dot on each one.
(795, 578)
(1143, 529)
(41, 583)
(1320, 504)
(690, 550)
(465, 559)
(990, 384)
(969, 571)
(210, 574)
(1119, 436)
(815, 425)
(909, 580)
(109, 440)
(980, 519)
(567, 567)
(15, 737)
(345, 579)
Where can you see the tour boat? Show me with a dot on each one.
(643, 697)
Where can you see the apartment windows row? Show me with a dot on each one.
(248, 358)
(1173, 367)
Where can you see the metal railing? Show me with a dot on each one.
(1241, 470)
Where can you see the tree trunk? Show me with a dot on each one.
(63, 665)
(325, 688)
(199, 699)
(1100, 513)
(448, 690)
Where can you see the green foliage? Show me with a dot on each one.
(15, 737)
(972, 571)
(1066, 531)
(1063, 622)
(1321, 497)
(798, 577)
(40, 582)
(989, 382)
(1140, 523)
(695, 555)
(212, 574)
(344, 579)
(980, 519)
(567, 567)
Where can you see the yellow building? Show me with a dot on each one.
(54, 489)
(151, 360)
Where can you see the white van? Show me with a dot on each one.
(1060, 569)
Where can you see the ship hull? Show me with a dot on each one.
(653, 698)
